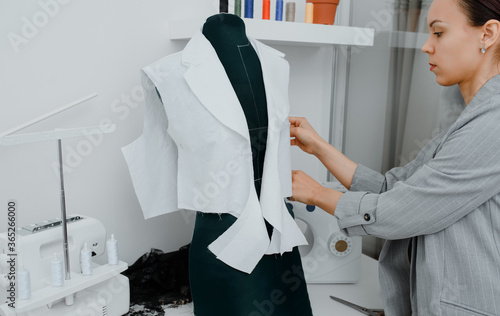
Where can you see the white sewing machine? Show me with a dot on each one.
(330, 257)
(104, 292)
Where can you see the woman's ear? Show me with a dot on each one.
(491, 33)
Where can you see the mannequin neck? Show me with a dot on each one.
(225, 31)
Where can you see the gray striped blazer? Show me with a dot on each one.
(441, 216)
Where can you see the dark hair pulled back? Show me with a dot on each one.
(479, 12)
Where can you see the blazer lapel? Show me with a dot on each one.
(286, 233)
(275, 71)
(208, 81)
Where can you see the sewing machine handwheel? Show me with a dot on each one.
(340, 245)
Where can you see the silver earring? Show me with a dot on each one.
(483, 50)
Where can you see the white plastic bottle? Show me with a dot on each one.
(57, 271)
(86, 260)
(24, 284)
(112, 250)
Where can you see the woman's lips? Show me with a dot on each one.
(432, 66)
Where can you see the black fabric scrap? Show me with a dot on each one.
(157, 279)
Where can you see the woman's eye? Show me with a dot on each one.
(438, 34)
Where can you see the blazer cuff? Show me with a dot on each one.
(355, 210)
(367, 180)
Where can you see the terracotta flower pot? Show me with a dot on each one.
(324, 11)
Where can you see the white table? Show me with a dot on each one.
(365, 293)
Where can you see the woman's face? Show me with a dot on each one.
(453, 45)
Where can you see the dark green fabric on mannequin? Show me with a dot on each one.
(276, 286)
(226, 33)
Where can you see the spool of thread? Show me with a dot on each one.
(86, 260)
(309, 13)
(249, 9)
(223, 6)
(279, 10)
(237, 7)
(266, 10)
(23, 284)
(112, 250)
(290, 12)
(57, 271)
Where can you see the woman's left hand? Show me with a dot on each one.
(304, 188)
(308, 191)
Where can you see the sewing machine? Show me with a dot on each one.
(330, 256)
(104, 292)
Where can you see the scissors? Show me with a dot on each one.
(366, 311)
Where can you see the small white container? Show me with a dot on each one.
(112, 250)
(57, 271)
(86, 260)
(23, 284)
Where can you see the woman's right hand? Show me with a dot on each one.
(303, 135)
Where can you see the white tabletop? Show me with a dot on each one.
(365, 293)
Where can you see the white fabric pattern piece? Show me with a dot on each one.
(195, 151)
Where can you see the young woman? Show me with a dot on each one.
(440, 213)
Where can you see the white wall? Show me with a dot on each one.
(368, 86)
(56, 51)
(310, 93)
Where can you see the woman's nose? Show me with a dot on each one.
(427, 47)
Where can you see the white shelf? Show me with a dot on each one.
(78, 282)
(280, 32)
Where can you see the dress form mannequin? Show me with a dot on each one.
(276, 286)
(226, 33)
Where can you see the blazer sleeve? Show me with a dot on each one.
(152, 158)
(367, 180)
(462, 175)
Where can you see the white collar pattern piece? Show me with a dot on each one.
(195, 152)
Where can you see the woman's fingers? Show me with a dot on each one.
(293, 119)
(304, 187)
(297, 121)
